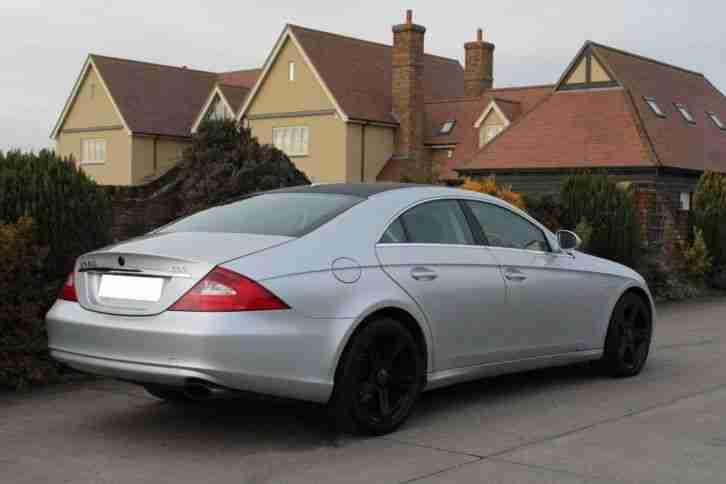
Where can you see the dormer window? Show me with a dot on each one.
(653, 104)
(447, 127)
(716, 120)
(685, 113)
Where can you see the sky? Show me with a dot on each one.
(43, 44)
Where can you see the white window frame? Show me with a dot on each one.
(294, 141)
(716, 120)
(655, 107)
(687, 116)
(291, 71)
(93, 151)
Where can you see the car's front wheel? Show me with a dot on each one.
(379, 378)
(628, 339)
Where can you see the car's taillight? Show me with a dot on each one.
(224, 290)
(68, 291)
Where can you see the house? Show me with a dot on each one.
(652, 125)
(126, 121)
(343, 108)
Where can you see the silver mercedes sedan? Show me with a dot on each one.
(360, 296)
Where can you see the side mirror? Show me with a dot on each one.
(568, 240)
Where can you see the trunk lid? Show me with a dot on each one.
(145, 276)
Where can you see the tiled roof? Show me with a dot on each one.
(512, 101)
(166, 100)
(567, 130)
(698, 146)
(235, 95)
(358, 73)
(615, 127)
(153, 98)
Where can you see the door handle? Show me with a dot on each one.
(512, 274)
(423, 274)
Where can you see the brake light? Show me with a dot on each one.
(224, 290)
(68, 291)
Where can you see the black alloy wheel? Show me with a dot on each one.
(380, 377)
(628, 340)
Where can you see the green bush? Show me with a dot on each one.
(72, 214)
(697, 261)
(547, 210)
(25, 294)
(709, 215)
(50, 213)
(608, 210)
(226, 162)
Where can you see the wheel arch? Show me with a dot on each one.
(416, 325)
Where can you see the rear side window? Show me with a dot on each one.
(286, 214)
(395, 234)
(438, 222)
(504, 228)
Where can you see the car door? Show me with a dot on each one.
(431, 252)
(548, 299)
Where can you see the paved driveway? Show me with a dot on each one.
(563, 425)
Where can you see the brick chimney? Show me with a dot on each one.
(479, 70)
(408, 88)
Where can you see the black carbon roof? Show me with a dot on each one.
(363, 190)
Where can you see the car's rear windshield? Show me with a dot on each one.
(286, 214)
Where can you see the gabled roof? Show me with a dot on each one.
(615, 127)
(154, 98)
(357, 74)
(233, 88)
(513, 101)
(159, 99)
(699, 146)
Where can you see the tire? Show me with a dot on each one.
(629, 336)
(169, 394)
(379, 378)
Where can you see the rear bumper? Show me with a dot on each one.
(277, 353)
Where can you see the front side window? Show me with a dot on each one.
(437, 222)
(293, 140)
(93, 151)
(285, 214)
(504, 228)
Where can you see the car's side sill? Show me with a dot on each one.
(457, 375)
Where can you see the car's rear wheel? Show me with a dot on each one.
(629, 335)
(379, 378)
(167, 393)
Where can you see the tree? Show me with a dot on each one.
(225, 162)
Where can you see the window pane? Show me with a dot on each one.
(394, 234)
(295, 214)
(504, 228)
(84, 150)
(440, 222)
(655, 107)
(716, 120)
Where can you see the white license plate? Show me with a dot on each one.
(131, 287)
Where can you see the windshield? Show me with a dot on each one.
(285, 214)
